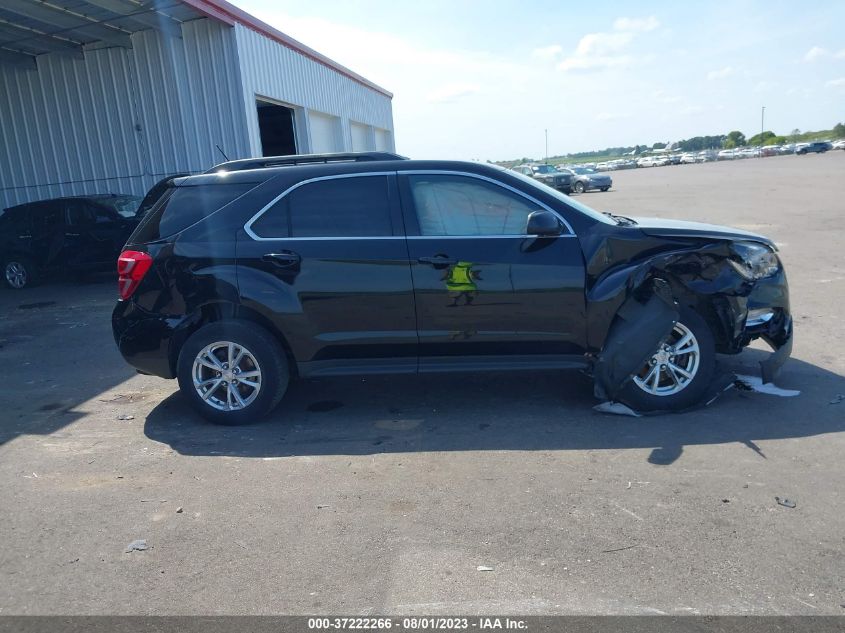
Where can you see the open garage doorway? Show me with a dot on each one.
(277, 129)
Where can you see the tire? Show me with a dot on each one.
(579, 187)
(261, 353)
(605, 188)
(641, 396)
(19, 272)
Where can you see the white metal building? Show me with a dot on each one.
(101, 96)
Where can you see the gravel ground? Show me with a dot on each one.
(385, 494)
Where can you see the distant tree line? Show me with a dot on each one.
(731, 140)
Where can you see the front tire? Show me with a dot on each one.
(579, 187)
(605, 188)
(232, 372)
(19, 272)
(679, 372)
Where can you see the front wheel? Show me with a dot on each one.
(579, 187)
(232, 372)
(19, 272)
(679, 372)
(605, 188)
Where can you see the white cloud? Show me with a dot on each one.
(449, 93)
(693, 109)
(815, 53)
(598, 50)
(611, 116)
(547, 53)
(722, 73)
(636, 24)
(664, 97)
(835, 83)
(765, 86)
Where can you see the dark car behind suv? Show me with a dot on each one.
(76, 234)
(237, 282)
(562, 180)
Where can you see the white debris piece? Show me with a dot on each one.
(616, 408)
(755, 383)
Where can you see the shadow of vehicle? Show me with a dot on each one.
(58, 352)
(499, 412)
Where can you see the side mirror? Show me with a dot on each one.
(543, 223)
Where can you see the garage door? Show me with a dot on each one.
(383, 143)
(360, 137)
(325, 133)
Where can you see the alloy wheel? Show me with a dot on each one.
(673, 365)
(226, 376)
(15, 273)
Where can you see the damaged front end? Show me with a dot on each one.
(636, 283)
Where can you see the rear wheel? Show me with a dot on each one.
(19, 272)
(579, 187)
(680, 370)
(232, 372)
(605, 188)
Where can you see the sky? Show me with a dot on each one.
(483, 80)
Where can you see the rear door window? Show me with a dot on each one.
(337, 207)
(180, 207)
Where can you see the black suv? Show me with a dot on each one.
(548, 175)
(77, 234)
(241, 279)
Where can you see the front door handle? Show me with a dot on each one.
(438, 261)
(285, 259)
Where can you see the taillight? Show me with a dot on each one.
(131, 268)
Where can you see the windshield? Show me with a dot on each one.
(570, 202)
(124, 205)
(545, 169)
(583, 170)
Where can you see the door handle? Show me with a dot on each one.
(438, 261)
(285, 259)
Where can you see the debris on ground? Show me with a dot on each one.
(616, 408)
(124, 416)
(839, 398)
(619, 549)
(484, 568)
(756, 384)
(137, 546)
(787, 503)
(726, 500)
(179, 510)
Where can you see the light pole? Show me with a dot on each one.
(762, 121)
(547, 145)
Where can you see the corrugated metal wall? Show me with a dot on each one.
(271, 70)
(120, 119)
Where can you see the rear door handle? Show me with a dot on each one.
(438, 261)
(285, 259)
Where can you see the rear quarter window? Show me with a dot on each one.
(180, 207)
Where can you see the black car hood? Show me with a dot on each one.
(663, 227)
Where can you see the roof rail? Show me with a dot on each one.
(303, 159)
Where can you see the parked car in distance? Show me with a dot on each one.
(647, 161)
(838, 144)
(688, 159)
(726, 154)
(75, 234)
(238, 282)
(548, 175)
(816, 147)
(584, 179)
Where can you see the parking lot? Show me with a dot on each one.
(386, 494)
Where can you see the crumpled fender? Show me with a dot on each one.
(636, 331)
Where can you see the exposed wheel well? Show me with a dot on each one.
(213, 312)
